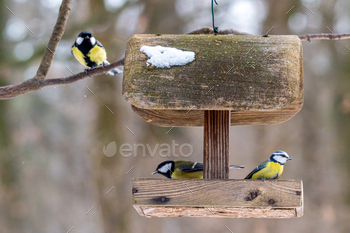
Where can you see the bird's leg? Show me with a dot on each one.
(263, 178)
(88, 69)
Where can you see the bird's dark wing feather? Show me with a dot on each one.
(256, 169)
(188, 167)
(99, 44)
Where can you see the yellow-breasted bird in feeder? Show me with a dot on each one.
(183, 169)
(272, 168)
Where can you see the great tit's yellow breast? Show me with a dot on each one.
(178, 174)
(270, 171)
(79, 56)
(98, 55)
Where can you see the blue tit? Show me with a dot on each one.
(272, 168)
(183, 169)
(91, 53)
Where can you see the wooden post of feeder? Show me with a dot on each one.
(234, 80)
(216, 152)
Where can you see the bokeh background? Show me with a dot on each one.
(54, 175)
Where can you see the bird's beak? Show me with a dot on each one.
(155, 172)
(289, 158)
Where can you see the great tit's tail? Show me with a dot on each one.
(236, 166)
(113, 72)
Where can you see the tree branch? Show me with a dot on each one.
(82, 75)
(308, 37)
(33, 84)
(39, 81)
(55, 38)
(323, 36)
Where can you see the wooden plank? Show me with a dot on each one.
(218, 198)
(196, 117)
(169, 118)
(217, 193)
(216, 212)
(230, 72)
(216, 152)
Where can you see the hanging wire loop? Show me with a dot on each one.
(215, 29)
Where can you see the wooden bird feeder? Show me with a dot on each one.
(234, 80)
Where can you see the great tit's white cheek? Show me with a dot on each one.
(79, 40)
(165, 168)
(92, 40)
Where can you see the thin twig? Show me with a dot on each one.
(308, 37)
(55, 38)
(8, 92)
(82, 75)
(323, 36)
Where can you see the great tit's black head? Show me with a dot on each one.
(280, 157)
(85, 38)
(165, 168)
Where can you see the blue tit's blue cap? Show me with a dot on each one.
(280, 152)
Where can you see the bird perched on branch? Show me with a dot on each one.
(272, 168)
(91, 53)
(183, 169)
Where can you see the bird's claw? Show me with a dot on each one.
(87, 72)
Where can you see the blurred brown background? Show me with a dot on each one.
(53, 171)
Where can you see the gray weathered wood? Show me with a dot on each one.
(230, 72)
(216, 144)
(218, 212)
(218, 198)
(195, 117)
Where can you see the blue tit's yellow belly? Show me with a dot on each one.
(178, 174)
(98, 55)
(271, 171)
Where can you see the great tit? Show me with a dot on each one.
(272, 168)
(91, 53)
(183, 169)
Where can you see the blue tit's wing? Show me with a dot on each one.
(256, 169)
(189, 166)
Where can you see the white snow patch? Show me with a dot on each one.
(164, 57)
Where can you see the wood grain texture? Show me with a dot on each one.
(196, 117)
(217, 212)
(230, 72)
(216, 144)
(218, 198)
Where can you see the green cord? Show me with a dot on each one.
(215, 29)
